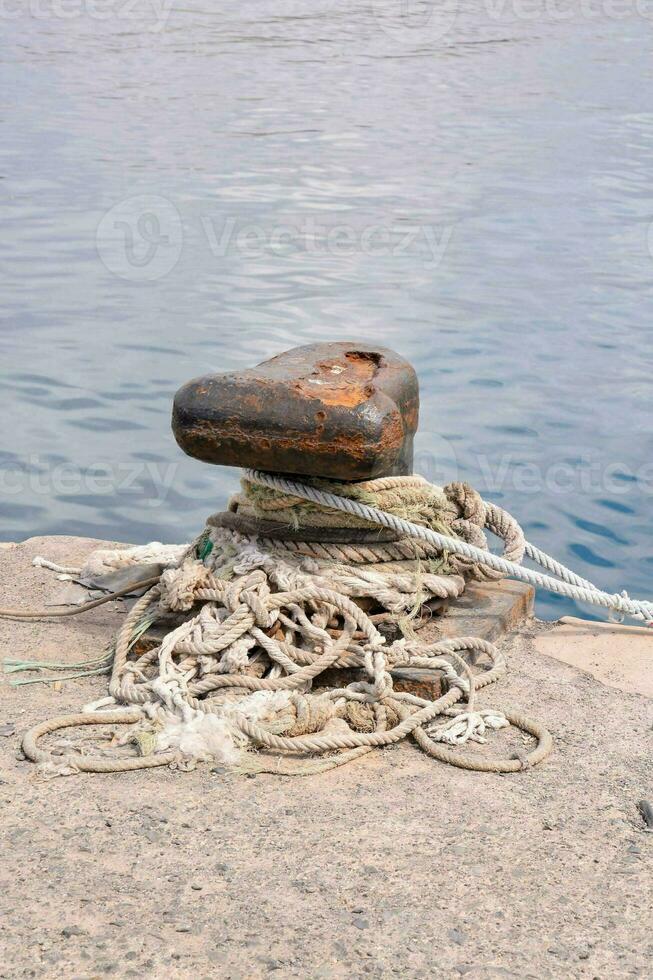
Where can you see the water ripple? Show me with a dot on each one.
(475, 194)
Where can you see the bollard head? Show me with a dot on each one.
(342, 411)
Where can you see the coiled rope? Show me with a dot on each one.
(281, 589)
(572, 585)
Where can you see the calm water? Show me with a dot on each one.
(186, 191)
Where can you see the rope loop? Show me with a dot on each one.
(287, 620)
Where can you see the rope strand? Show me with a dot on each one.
(269, 615)
(571, 586)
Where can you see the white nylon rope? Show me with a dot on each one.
(572, 585)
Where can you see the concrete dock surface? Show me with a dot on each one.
(395, 865)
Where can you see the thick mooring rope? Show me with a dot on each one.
(572, 586)
(263, 626)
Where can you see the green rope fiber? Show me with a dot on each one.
(83, 668)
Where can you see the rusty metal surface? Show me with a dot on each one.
(342, 411)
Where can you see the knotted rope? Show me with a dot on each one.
(277, 596)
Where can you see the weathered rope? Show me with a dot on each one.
(572, 586)
(256, 620)
(85, 607)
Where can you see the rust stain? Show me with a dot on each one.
(331, 410)
(341, 381)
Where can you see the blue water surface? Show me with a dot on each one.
(188, 189)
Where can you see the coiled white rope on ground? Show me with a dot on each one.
(571, 585)
(279, 594)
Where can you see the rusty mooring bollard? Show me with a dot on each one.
(342, 411)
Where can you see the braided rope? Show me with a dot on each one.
(572, 586)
